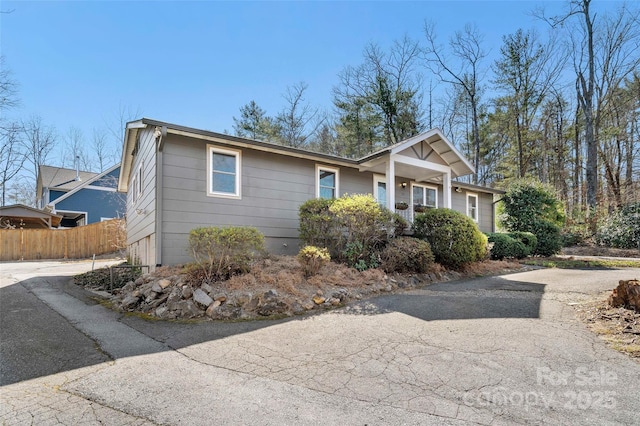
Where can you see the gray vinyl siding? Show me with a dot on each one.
(141, 226)
(273, 188)
(485, 208)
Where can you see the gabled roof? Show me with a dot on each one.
(84, 184)
(460, 166)
(32, 218)
(61, 179)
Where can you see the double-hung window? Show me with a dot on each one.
(326, 182)
(472, 206)
(223, 171)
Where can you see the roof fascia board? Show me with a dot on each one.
(263, 147)
(41, 212)
(382, 158)
(126, 161)
(414, 140)
(84, 185)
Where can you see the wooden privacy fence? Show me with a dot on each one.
(73, 243)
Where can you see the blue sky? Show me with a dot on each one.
(197, 63)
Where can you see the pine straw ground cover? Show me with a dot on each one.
(618, 327)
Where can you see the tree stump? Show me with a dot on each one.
(627, 295)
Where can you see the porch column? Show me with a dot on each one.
(446, 189)
(390, 177)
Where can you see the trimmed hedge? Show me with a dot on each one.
(222, 252)
(505, 246)
(527, 238)
(354, 228)
(407, 255)
(454, 238)
(549, 238)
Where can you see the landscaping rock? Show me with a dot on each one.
(164, 283)
(128, 287)
(202, 298)
(272, 307)
(318, 300)
(129, 301)
(156, 287)
(175, 295)
(187, 292)
(207, 288)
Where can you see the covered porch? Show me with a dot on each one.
(415, 175)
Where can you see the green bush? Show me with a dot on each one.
(528, 239)
(622, 228)
(549, 238)
(313, 258)
(528, 201)
(354, 228)
(407, 255)
(318, 227)
(222, 252)
(454, 238)
(505, 246)
(531, 206)
(399, 224)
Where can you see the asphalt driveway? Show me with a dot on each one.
(500, 350)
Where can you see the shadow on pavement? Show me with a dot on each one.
(492, 297)
(36, 341)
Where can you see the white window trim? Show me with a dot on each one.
(238, 155)
(320, 168)
(140, 180)
(473, 194)
(134, 186)
(376, 180)
(435, 188)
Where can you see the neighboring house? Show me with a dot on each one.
(80, 197)
(18, 216)
(179, 178)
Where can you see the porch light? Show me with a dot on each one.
(403, 184)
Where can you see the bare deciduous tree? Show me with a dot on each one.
(464, 71)
(380, 101)
(38, 142)
(298, 120)
(604, 51)
(74, 153)
(12, 157)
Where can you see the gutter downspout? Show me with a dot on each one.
(159, 188)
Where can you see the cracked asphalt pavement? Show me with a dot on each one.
(494, 350)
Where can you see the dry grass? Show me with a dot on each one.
(593, 250)
(619, 327)
(490, 267)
